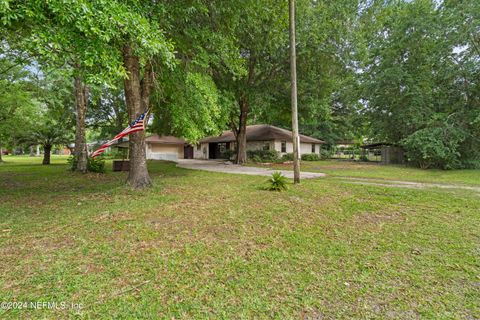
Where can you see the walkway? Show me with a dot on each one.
(406, 184)
(222, 166)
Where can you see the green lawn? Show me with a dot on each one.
(342, 168)
(210, 245)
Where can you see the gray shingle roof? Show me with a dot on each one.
(164, 139)
(261, 132)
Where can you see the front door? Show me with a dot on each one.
(212, 151)
(188, 152)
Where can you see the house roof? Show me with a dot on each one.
(164, 139)
(345, 141)
(261, 132)
(378, 144)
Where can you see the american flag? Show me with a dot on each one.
(137, 125)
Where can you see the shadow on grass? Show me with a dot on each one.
(56, 182)
(30, 165)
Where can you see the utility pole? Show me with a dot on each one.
(293, 75)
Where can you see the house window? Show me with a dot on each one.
(222, 147)
(266, 146)
(284, 146)
(199, 147)
(313, 147)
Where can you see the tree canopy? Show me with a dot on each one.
(402, 72)
(421, 80)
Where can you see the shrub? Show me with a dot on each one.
(287, 157)
(72, 162)
(262, 155)
(117, 154)
(310, 157)
(229, 154)
(96, 165)
(325, 154)
(93, 164)
(256, 159)
(277, 182)
(363, 157)
(434, 148)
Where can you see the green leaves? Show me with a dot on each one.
(87, 34)
(435, 147)
(420, 78)
(278, 182)
(189, 105)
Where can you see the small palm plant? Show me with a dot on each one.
(278, 182)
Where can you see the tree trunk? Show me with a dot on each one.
(81, 100)
(242, 132)
(46, 153)
(138, 175)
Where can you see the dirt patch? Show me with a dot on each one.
(339, 166)
(346, 166)
(376, 221)
(376, 218)
(406, 184)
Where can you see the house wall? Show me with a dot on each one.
(258, 145)
(64, 151)
(304, 147)
(277, 145)
(307, 148)
(392, 155)
(202, 152)
(162, 151)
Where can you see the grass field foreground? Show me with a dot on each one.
(210, 245)
(374, 170)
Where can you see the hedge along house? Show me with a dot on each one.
(259, 137)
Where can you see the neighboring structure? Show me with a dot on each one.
(345, 143)
(344, 149)
(63, 151)
(390, 153)
(261, 136)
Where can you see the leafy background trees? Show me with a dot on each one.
(420, 80)
(17, 103)
(404, 72)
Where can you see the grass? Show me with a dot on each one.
(211, 245)
(342, 168)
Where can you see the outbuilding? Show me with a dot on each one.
(389, 152)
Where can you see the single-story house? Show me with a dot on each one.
(260, 136)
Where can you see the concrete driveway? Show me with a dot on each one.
(222, 166)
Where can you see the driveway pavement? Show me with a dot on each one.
(222, 166)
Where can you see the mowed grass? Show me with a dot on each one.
(210, 245)
(343, 168)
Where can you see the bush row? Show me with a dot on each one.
(93, 164)
(274, 156)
